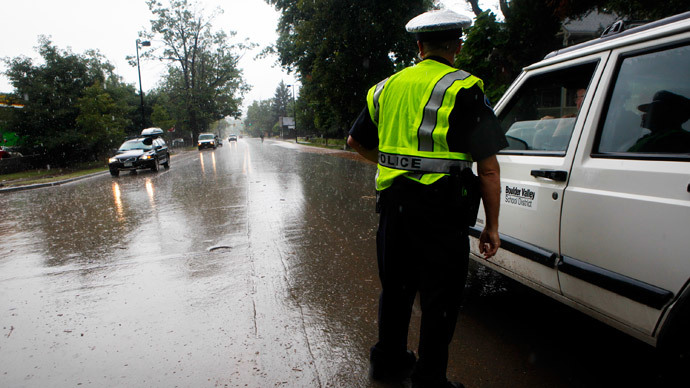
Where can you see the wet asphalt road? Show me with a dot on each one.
(252, 266)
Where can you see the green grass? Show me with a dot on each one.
(45, 176)
(324, 142)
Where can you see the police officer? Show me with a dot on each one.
(424, 126)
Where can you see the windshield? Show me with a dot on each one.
(206, 137)
(134, 145)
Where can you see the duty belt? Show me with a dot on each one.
(420, 164)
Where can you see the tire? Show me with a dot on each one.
(156, 166)
(114, 172)
(166, 165)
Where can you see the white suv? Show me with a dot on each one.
(596, 180)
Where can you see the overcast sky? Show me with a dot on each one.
(112, 27)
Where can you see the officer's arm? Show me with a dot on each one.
(370, 154)
(490, 185)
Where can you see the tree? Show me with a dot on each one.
(59, 92)
(282, 99)
(160, 117)
(484, 55)
(129, 96)
(223, 127)
(263, 116)
(102, 119)
(259, 118)
(282, 103)
(203, 80)
(497, 51)
(339, 49)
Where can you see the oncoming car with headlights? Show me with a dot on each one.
(148, 151)
(207, 140)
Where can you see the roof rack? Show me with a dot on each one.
(622, 25)
(152, 132)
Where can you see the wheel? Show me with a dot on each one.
(166, 165)
(114, 172)
(156, 165)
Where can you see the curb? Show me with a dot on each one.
(48, 184)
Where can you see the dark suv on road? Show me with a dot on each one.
(148, 151)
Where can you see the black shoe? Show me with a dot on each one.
(384, 367)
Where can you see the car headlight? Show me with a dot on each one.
(112, 160)
(145, 157)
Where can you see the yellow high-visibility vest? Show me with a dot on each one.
(411, 110)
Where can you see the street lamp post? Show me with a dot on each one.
(294, 109)
(145, 43)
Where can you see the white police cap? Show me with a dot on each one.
(438, 20)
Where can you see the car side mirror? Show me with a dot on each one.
(148, 141)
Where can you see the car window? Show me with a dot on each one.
(134, 145)
(205, 137)
(648, 111)
(541, 115)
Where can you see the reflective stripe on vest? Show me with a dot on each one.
(426, 128)
(420, 164)
(377, 93)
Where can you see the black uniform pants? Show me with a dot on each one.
(422, 246)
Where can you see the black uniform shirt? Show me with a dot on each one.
(474, 128)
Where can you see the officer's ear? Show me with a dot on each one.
(420, 45)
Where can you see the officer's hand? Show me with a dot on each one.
(489, 242)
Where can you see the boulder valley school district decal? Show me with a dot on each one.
(520, 196)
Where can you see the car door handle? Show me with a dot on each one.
(556, 175)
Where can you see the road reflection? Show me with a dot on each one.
(246, 161)
(150, 192)
(202, 159)
(117, 197)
